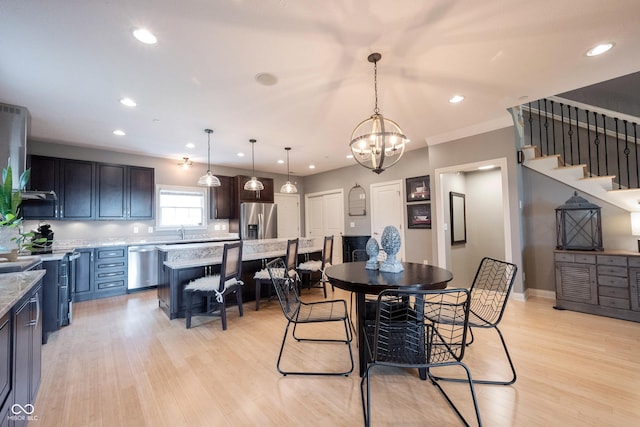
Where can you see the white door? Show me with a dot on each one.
(324, 216)
(315, 216)
(387, 208)
(288, 215)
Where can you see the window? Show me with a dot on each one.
(181, 207)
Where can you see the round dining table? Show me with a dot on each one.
(354, 277)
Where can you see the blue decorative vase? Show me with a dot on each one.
(390, 242)
(373, 250)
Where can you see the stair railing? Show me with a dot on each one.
(587, 135)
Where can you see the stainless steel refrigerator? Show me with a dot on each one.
(258, 221)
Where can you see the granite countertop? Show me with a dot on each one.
(23, 263)
(14, 286)
(196, 255)
(61, 246)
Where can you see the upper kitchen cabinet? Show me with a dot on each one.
(89, 190)
(124, 192)
(141, 187)
(222, 199)
(72, 180)
(77, 190)
(264, 196)
(44, 177)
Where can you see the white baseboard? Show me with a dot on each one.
(541, 293)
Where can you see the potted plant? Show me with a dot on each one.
(10, 200)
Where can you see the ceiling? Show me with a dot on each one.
(71, 61)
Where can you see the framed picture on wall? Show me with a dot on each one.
(418, 189)
(419, 215)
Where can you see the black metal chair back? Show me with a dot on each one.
(419, 329)
(491, 289)
(286, 287)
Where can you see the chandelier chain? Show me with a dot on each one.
(375, 85)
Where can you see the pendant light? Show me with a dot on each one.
(208, 179)
(253, 184)
(377, 138)
(288, 187)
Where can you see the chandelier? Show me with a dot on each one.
(288, 187)
(209, 179)
(377, 138)
(253, 184)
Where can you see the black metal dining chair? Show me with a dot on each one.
(489, 295)
(299, 313)
(214, 288)
(418, 329)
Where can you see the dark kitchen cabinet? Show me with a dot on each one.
(111, 199)
(100, 273)
(27, 349)
(5, 359)
(141, 192)
(110, 269)
(222, 203)
(89, 190)
(45, 176)
(264, 196)
(84, 288)
(77, 190)
(124, 192)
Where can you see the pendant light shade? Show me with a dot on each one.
(209, 179)
(288, 187)
(253, 184)
(377, 139)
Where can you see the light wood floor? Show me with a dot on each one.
(123, 363)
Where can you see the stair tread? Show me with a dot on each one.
(571, 167)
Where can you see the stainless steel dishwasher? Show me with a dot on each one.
(143, 267)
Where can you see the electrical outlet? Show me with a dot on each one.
(425, 261)
(352, 224)
(150, 230)
(135, 230)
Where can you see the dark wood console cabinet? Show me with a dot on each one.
(603, 283)
(350, 244)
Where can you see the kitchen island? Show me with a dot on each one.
(179, 264)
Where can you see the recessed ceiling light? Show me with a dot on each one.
(456, 98)
(190, 145)
(119, 132)
(240, 154)
(312, 166)
(487, 167)
(280, 161)
(266, 79)
(349, 156)
(128, 102)
(145, 36)
(599, 49)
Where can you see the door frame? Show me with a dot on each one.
(441, 218)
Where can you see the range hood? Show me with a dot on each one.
(14, 125)
(38, 195)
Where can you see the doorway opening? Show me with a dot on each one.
(486, 219)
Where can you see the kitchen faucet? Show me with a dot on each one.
(181, 230)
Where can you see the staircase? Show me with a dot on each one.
(566, 159)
